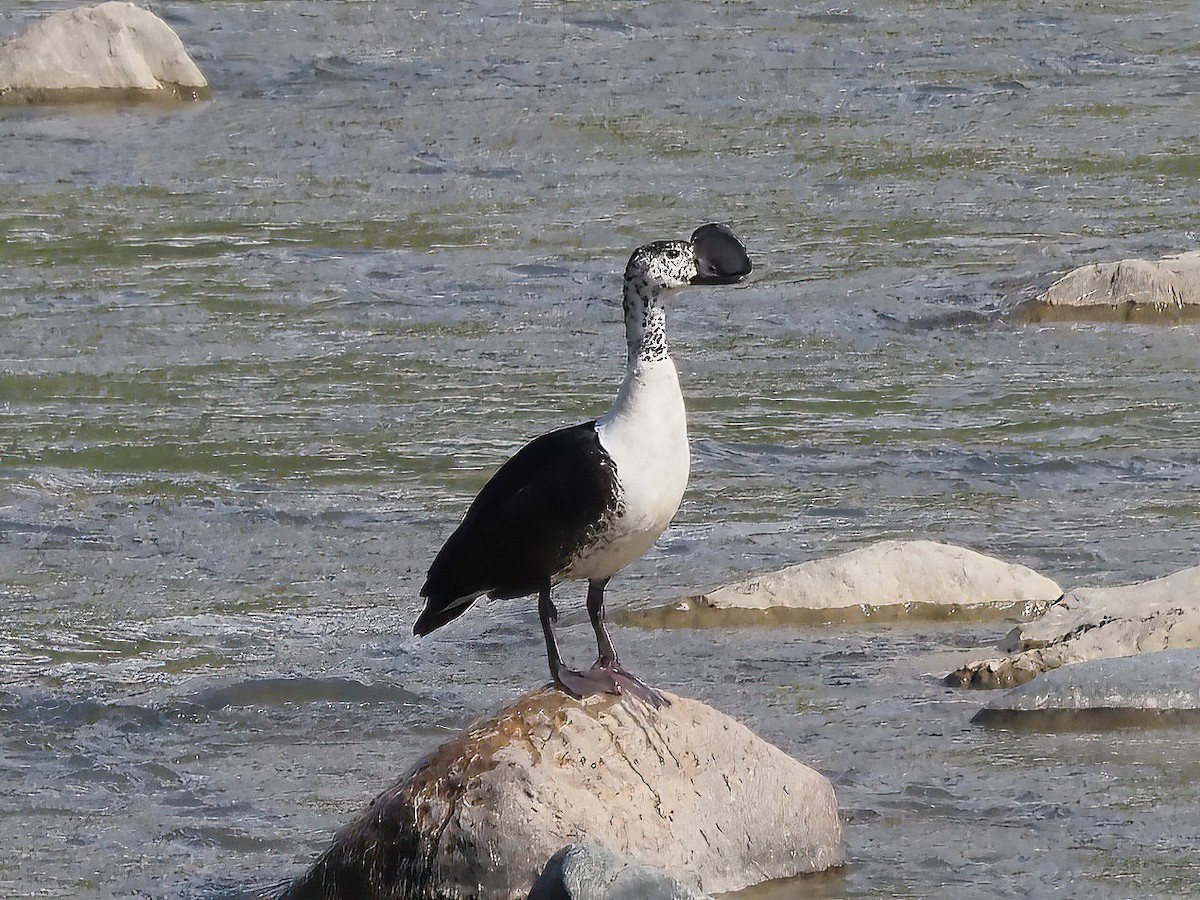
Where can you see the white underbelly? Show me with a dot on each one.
(645, 436)
(638, 522)
(610, 554)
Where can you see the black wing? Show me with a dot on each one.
(529, 519)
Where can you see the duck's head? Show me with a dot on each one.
(714, 255)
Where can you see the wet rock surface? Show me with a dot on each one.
(1150, 689)
(1095, 623)
(1131, 289)
(99, 52)
(883, 581)
(587, 872)
(684, 789)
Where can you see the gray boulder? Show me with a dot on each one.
(684, 789)
(586, 872)
(886, 580)
(96, 52)
(1137, 289)
(1095, 623)
(1149, 689)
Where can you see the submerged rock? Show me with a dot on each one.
(684, 789)
(1095, 623)
(887, 580)
(1132, 289)
(1150, 689)
(585, 872)
(96, 52)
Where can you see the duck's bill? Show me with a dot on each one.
(720, 257)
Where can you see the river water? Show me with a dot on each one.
(258, 353)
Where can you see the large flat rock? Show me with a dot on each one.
(887, 580)
(1130, 289)
(97, 52)
(683, 789)
(1095, 623)
(1149, 689)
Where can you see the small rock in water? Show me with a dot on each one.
(586, 872)
(684, 789)
(1131, 289)
(1095, 623)
(91, 52)
(887, 580)
(1160, 688)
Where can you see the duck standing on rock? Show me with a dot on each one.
(585, 501)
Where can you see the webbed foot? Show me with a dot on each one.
(608, 678)
(631, 684)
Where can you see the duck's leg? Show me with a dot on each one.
(606, 676)
(569, 681)
(606, 660)
(606, 652)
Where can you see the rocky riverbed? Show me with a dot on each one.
(259, 351)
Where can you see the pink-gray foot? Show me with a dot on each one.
(630, 683)
(607, 679)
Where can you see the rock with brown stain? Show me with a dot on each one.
(106, 51)
(1095, 623)
(684, 789)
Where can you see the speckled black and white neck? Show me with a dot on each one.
(652, 271)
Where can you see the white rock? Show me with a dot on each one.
(1169, 283)
(1166, 679)
(918, 578)
(1096, 623)
(113, 46)
(1149, 689)
(684, 789)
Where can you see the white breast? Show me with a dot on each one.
(645, 435)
